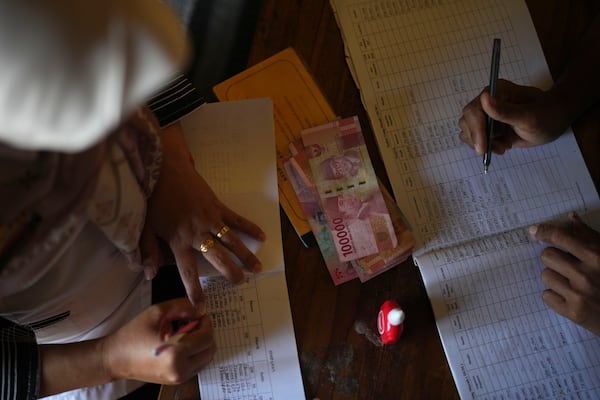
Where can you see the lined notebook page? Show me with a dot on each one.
(500, 338)
(417, 65)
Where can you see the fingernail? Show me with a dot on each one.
(257, 267)
(533, 230)
(200, 307)
(479, 148)
(149, 273)
(262, 236)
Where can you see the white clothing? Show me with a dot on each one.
(73, 70)
(99, 298)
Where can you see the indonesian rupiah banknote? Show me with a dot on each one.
(348, 190)
(364, 268)
(340, 271)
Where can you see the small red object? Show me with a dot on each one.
(390, 322)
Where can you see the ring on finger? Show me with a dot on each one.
(222, 232)
(206, 245)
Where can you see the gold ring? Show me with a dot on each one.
(206, 245)
(223, 231)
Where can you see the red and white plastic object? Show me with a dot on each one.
(390, 322)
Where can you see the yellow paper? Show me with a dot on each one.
(298, 104)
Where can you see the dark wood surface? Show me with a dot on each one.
(335, 326)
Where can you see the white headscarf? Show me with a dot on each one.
(72, 70)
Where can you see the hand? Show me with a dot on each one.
(573, 271)
(185, 213)
(129, 352)
(527, 117)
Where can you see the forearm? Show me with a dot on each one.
(173, 142)
(578, 87)
(69, 366)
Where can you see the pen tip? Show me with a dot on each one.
(485, 170)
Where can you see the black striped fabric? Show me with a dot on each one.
(179, 98)
(19, 362)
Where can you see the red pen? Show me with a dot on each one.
(179, 334)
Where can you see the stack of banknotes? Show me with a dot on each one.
(357, 225)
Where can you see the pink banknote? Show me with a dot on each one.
(368, 267)
(299, 174)
(372, 265)
(348, 190)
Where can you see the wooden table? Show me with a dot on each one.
(335, 326)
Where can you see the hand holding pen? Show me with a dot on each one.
(524, 116)
(184, 328)
(168, 343)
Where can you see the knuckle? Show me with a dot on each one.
(585, 284)
(219, 257)
(578, 309)
(548, 254)
(545, 276)
(175, 377)
(550, 234)
(594, 258)
(469, 112)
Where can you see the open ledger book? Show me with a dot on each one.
(233, 146)
(417, 64)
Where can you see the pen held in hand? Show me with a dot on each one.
(179, 334)
(489, 128)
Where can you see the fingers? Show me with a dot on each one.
(557, 283)
(556, 302)
(572, 275)
(474, 120)
(231, 240)
(192, 351)
(199, 348)
(200, 345)
(185, 259)
(574, 237)
(472, 125)
(243, 225)
(227, 243)
(220, 259)
(249, 261)
(512, 111)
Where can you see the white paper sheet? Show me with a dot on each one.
(233, 145)
(417, 65)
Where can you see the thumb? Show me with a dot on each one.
(502, 111)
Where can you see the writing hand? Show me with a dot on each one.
(130, 352)
(573, 271)
(527, 116)
(185, 212)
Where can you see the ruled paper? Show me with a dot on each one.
(417, 64)
(500, 339)
(233, 147)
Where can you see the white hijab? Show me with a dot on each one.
(72, 70)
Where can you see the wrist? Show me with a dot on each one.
(69, 366)
(109, 362)
(175, 151)
(565, 104)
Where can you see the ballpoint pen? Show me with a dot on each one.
(489, 128)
